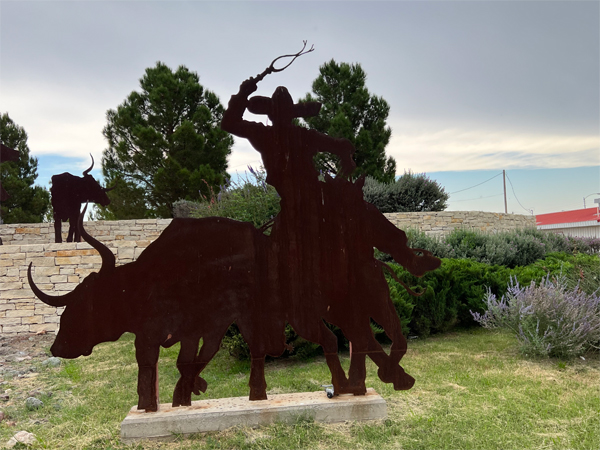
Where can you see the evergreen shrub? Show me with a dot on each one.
(411, 192)
(459, 286)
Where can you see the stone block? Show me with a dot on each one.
(125, 243)
(45, 271)
(65, 287)
(6, 262)
(43, 309)
(24, 304)
(11, 320)
(52, 318)
(125, 253)
(220, 414)
(58, 279)
(9, 249)
(78, 252)
(7, 329)
(14, 256)
(20, 313)
(34, 248)
(32, 319)
(9, 286)
(66, 260)
(61, 246)
(95, 259)
(40, 262)
(16, 293)
(29, 230)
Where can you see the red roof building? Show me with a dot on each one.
(580, 222)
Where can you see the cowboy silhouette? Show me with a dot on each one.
(324, 238)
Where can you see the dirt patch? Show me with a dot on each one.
(21, 357)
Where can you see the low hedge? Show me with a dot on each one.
(459, 286)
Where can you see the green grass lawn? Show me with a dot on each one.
(473, 391)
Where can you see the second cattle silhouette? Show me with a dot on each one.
(68, 193)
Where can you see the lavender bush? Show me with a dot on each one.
(548, 318)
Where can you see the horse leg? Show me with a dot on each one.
(257, 382)
(363, 344)
(358, 371)
(389, 370)
(146, 354)
(188, 368)
(328, 340)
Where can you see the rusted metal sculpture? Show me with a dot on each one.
(202, 275)
(6, 154)
(323, 240)
(68, 193)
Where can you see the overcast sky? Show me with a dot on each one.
(474, 87)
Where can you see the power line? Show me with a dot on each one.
(478, 198)
(456, 192)
(513, 190)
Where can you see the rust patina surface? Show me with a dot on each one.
(316, 267)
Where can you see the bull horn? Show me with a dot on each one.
(85, 172)
(56, 301)
(108, 259)
(108, 189)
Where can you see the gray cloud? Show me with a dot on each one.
(516, 68)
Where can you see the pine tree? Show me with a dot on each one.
(26, 203)
(351, 112)
(165, 143)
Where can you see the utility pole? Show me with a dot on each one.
(504, 180)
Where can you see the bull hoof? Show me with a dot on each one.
(153, 407)
(147, 404)
(180, 399)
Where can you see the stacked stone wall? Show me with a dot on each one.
(59, 268)
(103, 230)
(444, 222)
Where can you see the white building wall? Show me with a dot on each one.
(587, 231)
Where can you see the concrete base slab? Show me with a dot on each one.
(222, 413)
